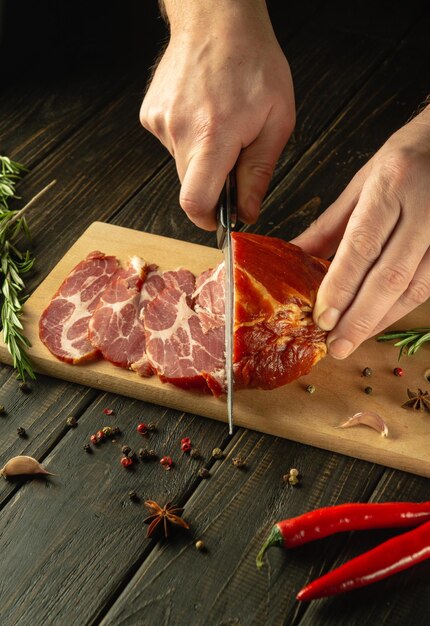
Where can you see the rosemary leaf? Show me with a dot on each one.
(409, 341)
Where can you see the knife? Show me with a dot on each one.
(226, 222)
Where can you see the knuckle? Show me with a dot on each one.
(394, 277)
(365, 245)
(360, 326)
(417, 292)
(394, 171)
(344, 290)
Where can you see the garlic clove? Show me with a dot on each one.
(368, 418)
(23, 465)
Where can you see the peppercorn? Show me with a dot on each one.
(200, 545)
(166, 462)
(108, 411)
(185, 447)
(108, 431)
(293, 480)
(204, 473)
(116, 430)
(397, 371)
(367, 372)
(185, 440)
(87, 447)
(310, 389)
(142, 429)
(21, 431)
(133, 496)
(146, 455)
(94, 439)
(368, 390)
(151, 427)
(195, 453)
(294, 472)
(238, 461)
(25, 387)
(100, 435)
(125, 450)
(71, 421)
(126, 461)
(217, 453)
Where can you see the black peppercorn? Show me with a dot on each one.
(116, 430)
(195, 453)
(87, 447)
(310, 388)
(126, 450)
(151, 427)
(25, 387)
(204, 473)
(368, 390)
(71, 421)
(21, 431)
(147, 455)
(133, 496)
(367, 372)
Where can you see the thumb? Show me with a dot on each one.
(255, 166)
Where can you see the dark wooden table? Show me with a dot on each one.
(73, 548)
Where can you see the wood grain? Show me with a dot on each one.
(287, 412)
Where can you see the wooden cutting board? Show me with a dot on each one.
(288, 412)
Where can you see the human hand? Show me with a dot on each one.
(380, 226)
(221, 95)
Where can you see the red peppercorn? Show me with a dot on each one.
(126, 461)
(186, 440)
(108, 411)
(186, 447)
(100, 435)
(142, 429)
(397, 371)
(93, 439)
(166, 461)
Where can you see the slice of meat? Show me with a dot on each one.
(178, 348)
(63, 325)
(209, 298)
(275, 338)
(115, 327)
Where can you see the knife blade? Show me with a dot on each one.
(226, 221)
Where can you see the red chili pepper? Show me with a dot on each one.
(388, 558)
(326, 521)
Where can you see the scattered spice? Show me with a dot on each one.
(200, 545)
(142, 429)
(238, 461)
(166, 462)
(185, 447)
(217, 453)
(310, 388)
(195, 453)
(204, 473)
(163, 516)
(126, 461)
(419, 400)
(23, 465)
(147, 455)
(116, 430)
(152, 427)
(94, 439)
(100, 435)
(292, 478)
(108, 431)
(87, 447)
(25, 387)
(398, 371)
(21, 431)
(108, 411)
(294, 472)
(185, 440)
(368, 390)
(125, 450)
(367, 372)
(71, 421)
(133, 496)
(368, 418)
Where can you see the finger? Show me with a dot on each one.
(386, 283)
(256, 163)
(369, 227)
(325, 233)
(417, 293)
(202, 182)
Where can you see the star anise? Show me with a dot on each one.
(166, 515)
(419, 400)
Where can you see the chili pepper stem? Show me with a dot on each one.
(274, 539)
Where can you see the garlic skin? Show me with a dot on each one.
(19, 465)
(368, 418)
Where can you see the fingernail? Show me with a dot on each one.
(328, 319)
(340, 348)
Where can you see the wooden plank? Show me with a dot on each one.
(288, 411)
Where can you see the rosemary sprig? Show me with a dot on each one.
(14, 264)
(409, 341)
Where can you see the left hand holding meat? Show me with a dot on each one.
(380, 227)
